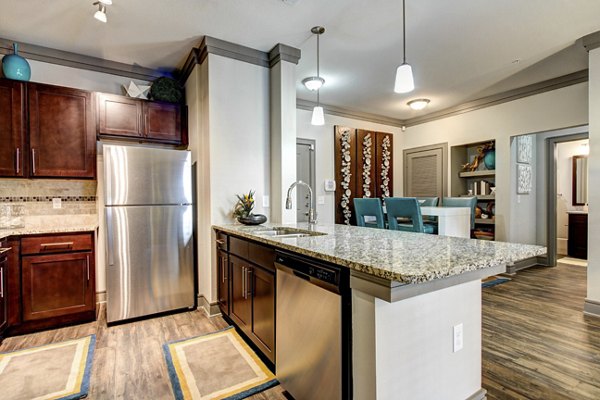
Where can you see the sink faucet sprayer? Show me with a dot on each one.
(312, 214)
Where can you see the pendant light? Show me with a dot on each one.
(317, 115)
(404, 76)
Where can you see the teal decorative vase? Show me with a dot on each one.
(16, 67)
(490, 159)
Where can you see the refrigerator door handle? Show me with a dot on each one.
(110, 237)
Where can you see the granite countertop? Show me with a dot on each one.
(53, 224)
(404, 257)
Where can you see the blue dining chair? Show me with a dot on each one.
(365, 207)
(470, 202)
(408, 210)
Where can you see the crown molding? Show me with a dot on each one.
(74, 60)
(504, 97)
(591, 41)
(211, 45)
(346, 113)
(488, 101)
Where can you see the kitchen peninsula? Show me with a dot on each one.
(415, 300)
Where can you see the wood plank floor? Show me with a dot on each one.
(536, 343)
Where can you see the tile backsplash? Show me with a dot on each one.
(26, 198)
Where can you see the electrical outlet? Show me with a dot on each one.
(458, 337)
(56, 202)
(320, 199)
(265, 201)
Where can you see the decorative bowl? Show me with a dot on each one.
(253, 219)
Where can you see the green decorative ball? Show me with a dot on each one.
(166, 89)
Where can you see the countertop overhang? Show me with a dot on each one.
(394, 263)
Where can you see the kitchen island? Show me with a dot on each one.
(415, 303)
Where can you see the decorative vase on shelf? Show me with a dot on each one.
(489, 159)
(16, 67)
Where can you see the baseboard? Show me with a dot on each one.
(478, 395)
(591, 308)
(101, 297)
(511, 269)
(542, 260)
(210, 310)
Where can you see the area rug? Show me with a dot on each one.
(493, 281)
(219, 365)
(54, 371)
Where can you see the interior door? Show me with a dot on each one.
(425, 172)
(305, 172)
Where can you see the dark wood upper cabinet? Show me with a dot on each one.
(119, 116)
(12, 128)
(61, 132)
(142, 120)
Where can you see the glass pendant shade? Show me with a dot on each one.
(404, 79)
(317, 116)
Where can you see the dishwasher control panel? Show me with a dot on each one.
(329, 275)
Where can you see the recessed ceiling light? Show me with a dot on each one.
(418, 104)
(313, 83)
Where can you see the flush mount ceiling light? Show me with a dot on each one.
(404, 76)
(313, 83)
(418, 104)
(100, 15)
(317, 116)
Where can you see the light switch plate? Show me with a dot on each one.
(320, 199)
(458, 337)
(56, 202)
(266, 201)
(329, 185)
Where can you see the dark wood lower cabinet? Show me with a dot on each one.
(578, 236)
(57, 285)
(263, 321)
(241, 302)
(249, 281)
(3, 293)
(223, 281)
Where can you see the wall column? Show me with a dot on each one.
(592, 302)
(283, 60)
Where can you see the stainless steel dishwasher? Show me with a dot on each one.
(312, 356)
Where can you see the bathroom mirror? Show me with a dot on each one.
(580, 180)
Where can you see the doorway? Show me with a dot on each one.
(305, 172)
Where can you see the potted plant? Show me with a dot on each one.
(243, 210)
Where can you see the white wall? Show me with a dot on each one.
(523, 206)
(230, 141)
(560, 108)
(593, 283)
(325, 149)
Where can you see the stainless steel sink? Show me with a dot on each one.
(284, 232)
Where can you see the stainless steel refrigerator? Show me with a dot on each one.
(149, 231)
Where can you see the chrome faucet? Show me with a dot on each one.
(312, 214)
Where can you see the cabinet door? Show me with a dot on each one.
(162, 122)
(3, 295)
(12, 128)
(56, 285)
(263, 304)
(241, 301)
(119, 116)
(62, 132)
(223, 285)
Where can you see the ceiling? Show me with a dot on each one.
(460, 50)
